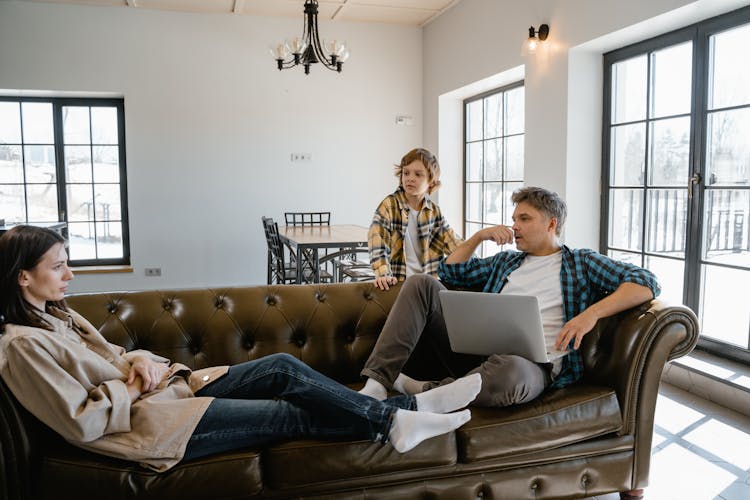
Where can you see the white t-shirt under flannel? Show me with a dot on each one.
(540, 276)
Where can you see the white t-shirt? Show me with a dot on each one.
(540, 276)
(412, 248)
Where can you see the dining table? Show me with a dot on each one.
(309, 241)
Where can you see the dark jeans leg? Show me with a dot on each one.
(416, 313)
(312, 405)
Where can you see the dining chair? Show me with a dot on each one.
(307, 218)
(279, 271)
(355, 266)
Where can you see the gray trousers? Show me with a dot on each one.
(417, 317)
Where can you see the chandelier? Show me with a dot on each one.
(307, 49)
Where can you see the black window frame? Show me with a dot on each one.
(699, 34)
(465, 142)
(57, 104)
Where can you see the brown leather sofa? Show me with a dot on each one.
(588, 439)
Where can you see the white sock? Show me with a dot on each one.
(374, 389)
(410, 428)
(407, 385)
(450, 397)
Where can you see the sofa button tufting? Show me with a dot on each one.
(585, 480)
(321, 297)
(111, 308)
(535, 485)
(219, 303)
(368, 296)
(350, 338)
(300, 342)
(271, 301)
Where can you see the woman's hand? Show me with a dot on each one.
(150, 372)
(384, 282)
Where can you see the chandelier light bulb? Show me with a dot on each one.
(296, 45)
(281, 51)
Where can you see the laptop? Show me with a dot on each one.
(495, 323)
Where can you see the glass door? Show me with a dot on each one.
(676, 171)
(725, 242)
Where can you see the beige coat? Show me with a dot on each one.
(73, 380)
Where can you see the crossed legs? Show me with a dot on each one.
(417, 314)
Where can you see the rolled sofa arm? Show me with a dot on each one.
(628, 352)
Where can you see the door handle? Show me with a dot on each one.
(694, 180)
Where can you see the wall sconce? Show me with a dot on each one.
(536, 37)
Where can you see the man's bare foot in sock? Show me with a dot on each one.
(410, 428)
(374, 389)
(450, 397)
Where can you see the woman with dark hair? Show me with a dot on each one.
(409, 234)
(138, 406)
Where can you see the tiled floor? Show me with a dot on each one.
(700, 451)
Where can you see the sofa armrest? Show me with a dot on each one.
(15, 463)
(628, 352)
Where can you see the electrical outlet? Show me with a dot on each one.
(297, 157)
(153, 271)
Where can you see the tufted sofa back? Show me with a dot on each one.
(332, 328)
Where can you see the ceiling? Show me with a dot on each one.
(405, 12)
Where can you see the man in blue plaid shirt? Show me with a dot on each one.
(575, 288)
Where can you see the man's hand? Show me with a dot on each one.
(499, 234)
(626, 296)
(384, 282)
(502, 235)
(576, 328)
(150, 372)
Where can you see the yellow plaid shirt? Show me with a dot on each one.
(388, 230)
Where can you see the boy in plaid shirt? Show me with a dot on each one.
(409, 234)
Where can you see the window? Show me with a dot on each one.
(63, 160)
(494, 159)
(677, 170)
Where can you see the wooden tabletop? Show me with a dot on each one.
(324, 235)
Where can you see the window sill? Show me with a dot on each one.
(102, 269)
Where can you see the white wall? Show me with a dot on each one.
(211, 124)
(480, 40)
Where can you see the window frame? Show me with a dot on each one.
(699, 34)
(61, 181)
(465, 142)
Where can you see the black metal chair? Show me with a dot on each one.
(279, 271)
(310, 219)
(307, 218)
(355, 266)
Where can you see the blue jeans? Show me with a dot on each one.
(247, 413)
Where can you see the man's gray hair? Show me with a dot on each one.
(547, 202)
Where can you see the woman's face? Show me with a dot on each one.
(48, 280)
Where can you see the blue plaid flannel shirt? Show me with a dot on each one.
(585, 278)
